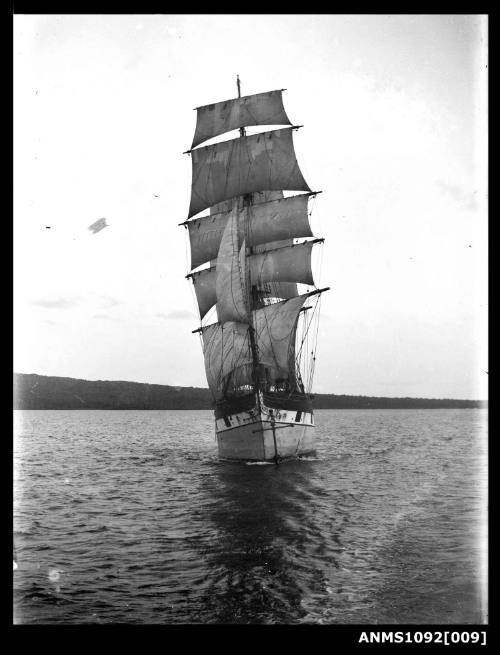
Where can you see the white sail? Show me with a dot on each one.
(226, 348)
(282, 290)
(274, 220)
(265, 196)
(224, 206)
(257, 109)
(204, 287)
(258, 196)
(204, 282)
(265, 161)
(283, 219)
(230, 275)
(268, 289)
(275, 328)
(205, 235)
(288, 264)
(271, 245)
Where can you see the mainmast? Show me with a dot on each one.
(248, 282)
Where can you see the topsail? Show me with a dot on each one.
(260, 162)
(271, 220)
(258, 109)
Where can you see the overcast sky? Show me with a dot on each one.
(394, 115)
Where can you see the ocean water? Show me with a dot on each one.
(129, 517)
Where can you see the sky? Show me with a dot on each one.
(394, 109)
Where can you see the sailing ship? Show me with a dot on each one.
(251, 271)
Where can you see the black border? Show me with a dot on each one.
(332, 637)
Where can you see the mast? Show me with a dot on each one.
(242, 129)
(246, 228)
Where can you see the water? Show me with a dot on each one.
(128, 516)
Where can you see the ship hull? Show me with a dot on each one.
(265, 435)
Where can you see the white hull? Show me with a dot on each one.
(265, 436)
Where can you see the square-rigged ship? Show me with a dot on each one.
(247, 261)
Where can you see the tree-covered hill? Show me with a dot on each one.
(46, 392)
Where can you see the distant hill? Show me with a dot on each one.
(47, 392)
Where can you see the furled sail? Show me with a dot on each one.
(265, 161)
(271, 220)
(286, 264)
(230, 275)
(226, 350)
(220, 117)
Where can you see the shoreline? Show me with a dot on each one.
(40, 392)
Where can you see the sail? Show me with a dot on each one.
(281, 290)
(271, 220)
(226, 350)
(204, 287)
(230, 275)
(288, 264)
(265, 161)
(224, 206)
(266, 196)
(272, 245)
(275, 328)
(220, 117)
(259, 196)
(283, 219)
(204, 282)
(205, 235)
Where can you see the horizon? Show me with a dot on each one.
(313, 393)
(394, 109)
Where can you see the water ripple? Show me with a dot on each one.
(130, 517)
